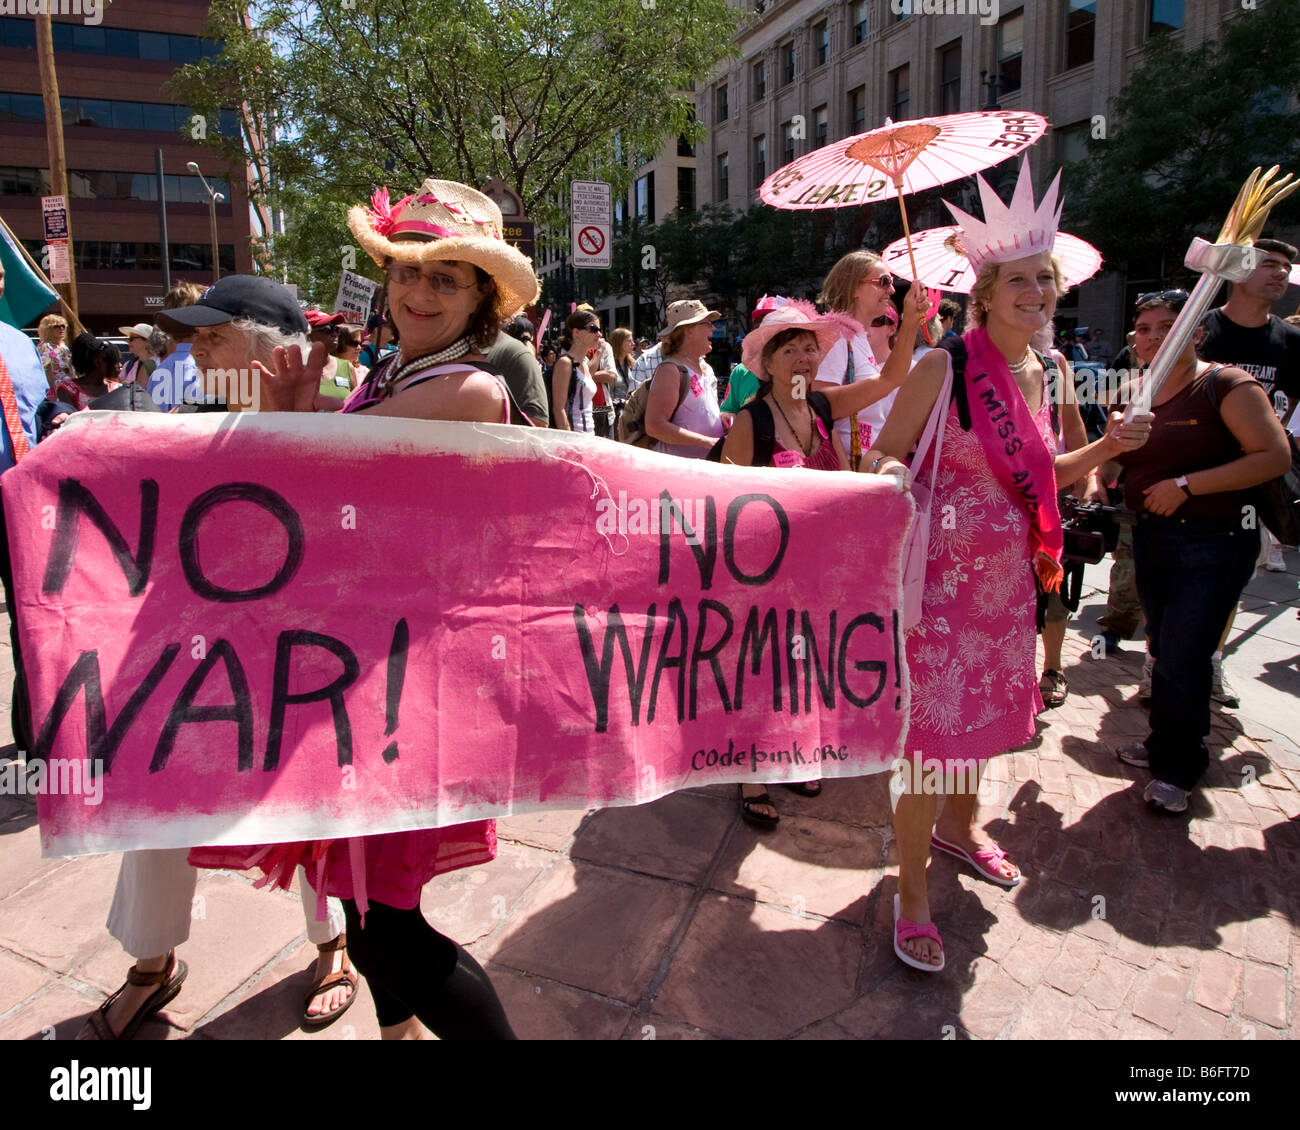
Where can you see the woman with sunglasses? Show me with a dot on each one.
(573, 385)
(452, 281)
(861, 286)
(1214, 439)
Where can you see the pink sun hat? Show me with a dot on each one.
(796, 314)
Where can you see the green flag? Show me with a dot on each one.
(26, 293)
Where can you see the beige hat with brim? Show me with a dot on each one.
(140, 329)
(446, 221)
(688, 312)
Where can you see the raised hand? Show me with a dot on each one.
(294, 385)
(1130, 435)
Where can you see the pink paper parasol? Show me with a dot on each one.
(938, 259)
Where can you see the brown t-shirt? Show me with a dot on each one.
(1189, 435)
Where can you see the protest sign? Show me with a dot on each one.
(356, 293)
(452, 622)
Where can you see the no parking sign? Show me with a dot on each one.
(591, 220)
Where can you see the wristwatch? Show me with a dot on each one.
(1181, 481)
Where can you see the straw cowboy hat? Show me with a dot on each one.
(688, 312)
(443, 221)
(794, 315)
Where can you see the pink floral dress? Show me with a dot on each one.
(972, 656)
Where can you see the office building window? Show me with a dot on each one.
(645, 197)
(1072, 142)
(722, 179)
(108, 114)
(1011, 43)
(821, 126)
(787, 63)
(900, 93)
(686, 189)
(1080, 30)
(759, 72)
(720, 103)
(685, 147)
(950, 78)
(858, 110)
(821, 43)
(1166, 15)
(760, 160)
(98, 255)
(787, 143)
(858, 22)
(68, 37)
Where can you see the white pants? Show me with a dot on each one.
(154, 901)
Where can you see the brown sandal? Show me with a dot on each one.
(168, 987)
(330, 981)
(1054, 688)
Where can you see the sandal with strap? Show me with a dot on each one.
(758, 819)
(324, 984)
(168, 980)
(985, 862)
(806, 788)
(905, 930)
(1056, 691)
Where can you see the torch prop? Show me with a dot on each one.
(1231, 258)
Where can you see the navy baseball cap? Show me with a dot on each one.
(242, 296)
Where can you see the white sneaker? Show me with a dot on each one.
(1276, 562)
(1164, 795)
(1144, 686)
(1220, 689)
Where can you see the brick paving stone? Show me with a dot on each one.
(1234, 807)
(539, 1009)
(1053, 777)
(1268, 940)
(471, 903)
(738, 956)
(1197, 1023)
(1070, 969)
(23, 865)
(654, 1027)
(58, 1012)
(593, 928)
(675, 837)
(1132, 1027)
(59, 922)
(989, 1006)
(1265, 994)
(813, 866)
(1161, 994)
(18, 980)
(1031, 955)
(547, 830)
(1043, 1016)
(1087, 1023)
(1110, 984)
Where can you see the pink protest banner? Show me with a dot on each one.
(257, 629)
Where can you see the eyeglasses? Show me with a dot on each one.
(883, 320)
(885, 282)
(1174, 298)
(353, 343)
(403, 275)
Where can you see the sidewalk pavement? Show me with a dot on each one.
(675, 920)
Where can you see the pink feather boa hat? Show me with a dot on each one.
(796, 314)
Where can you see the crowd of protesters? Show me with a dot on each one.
(858, 387)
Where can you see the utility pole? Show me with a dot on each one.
(54, 143)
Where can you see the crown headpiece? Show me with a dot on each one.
(1014, 232)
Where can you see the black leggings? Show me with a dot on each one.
(413, 970)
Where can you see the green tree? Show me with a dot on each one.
(1183, 135)
(336, 99)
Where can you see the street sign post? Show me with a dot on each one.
(591, 224)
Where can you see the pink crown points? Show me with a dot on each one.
(1015, 232)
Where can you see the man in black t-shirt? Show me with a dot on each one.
(1244, 333)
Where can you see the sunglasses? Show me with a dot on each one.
(594, 328)
(1175, 298)
(408, 276)
(885, 282)
(883, 320)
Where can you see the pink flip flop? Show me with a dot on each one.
(982, 861)
(905, 930)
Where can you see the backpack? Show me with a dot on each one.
(765, 428)
(631, 424)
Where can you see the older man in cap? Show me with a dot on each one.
(236, 326)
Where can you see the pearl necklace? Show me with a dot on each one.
(1022, 364)
(399, 370)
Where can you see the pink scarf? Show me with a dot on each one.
(1019, 458)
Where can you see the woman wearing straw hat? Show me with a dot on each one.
(682, 410)
(452, 281)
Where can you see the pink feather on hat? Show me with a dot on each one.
(383, 214)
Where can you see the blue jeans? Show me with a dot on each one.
(1190, 575)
